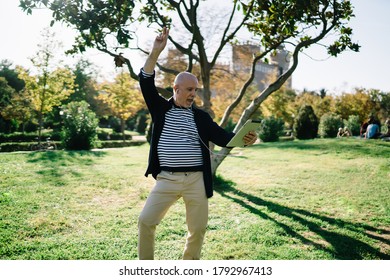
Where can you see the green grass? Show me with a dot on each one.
(320, 199)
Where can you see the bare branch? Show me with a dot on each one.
(244, 88)
(126, 60)
(225, 39)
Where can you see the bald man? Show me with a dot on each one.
(179, 157)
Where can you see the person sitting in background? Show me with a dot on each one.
(373, 131)
(340, 132)
(347, 132)
(344, 132)
(363, 127)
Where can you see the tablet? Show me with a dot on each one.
(237, 140)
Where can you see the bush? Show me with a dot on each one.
(270, 129)
(329, 125)
(306, 123)
(230, 125)
(115, 124)
(80, 126)
(31, 127)
(353, 123)
(141, 123)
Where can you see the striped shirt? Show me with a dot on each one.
(179, 147)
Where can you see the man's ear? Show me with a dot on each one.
(175, 89)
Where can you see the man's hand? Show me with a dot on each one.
(158, 46)
(161, 41)
(250, 138)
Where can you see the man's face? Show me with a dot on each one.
(185, 89)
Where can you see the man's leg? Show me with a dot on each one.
(163, 195)
(196, 215)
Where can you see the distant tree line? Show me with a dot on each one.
(25, 100)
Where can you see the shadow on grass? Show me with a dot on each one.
(356, 147)
(56, 164)
(341, 246)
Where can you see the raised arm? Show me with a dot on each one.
(158, 46)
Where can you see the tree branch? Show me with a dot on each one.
(127, 62)
(225, 39)
(244, 88)
(217, 159)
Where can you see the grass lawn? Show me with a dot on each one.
(317, 199)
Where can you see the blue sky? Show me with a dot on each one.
(369, 68)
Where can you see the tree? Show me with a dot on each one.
(11, 75)
(122, 97)
(299, 24)
(5, 93)
(358, 103)
(306, 123)
(50, 85)
(321, 104)
(278, 105)
(85, 75)
(10, 86)
(381, 101)
(19, 108)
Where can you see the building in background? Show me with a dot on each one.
(279, 63)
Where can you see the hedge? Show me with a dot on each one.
(27, 137)
(55, 136)
(25, 146)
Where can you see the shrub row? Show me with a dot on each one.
(102, 135)
(13, 147)
(118, 144)
(55, 136)
(308, 126)
(26, 146)
(27, 137)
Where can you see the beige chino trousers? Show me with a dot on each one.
(171, 186)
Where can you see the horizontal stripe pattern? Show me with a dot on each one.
(146, 75)
(179, 144)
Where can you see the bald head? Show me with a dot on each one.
(184, 89)
(184, 77)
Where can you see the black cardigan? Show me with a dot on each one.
(208, 130)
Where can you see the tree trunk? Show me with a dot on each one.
(123, 129)
(40, 121)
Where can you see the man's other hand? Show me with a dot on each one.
(250, 138)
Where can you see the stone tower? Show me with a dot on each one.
(266, 73)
